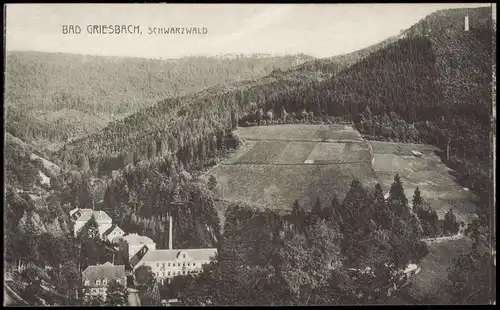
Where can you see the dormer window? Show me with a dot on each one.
(87, 282)
(118, 281)
(183, 255)
(98, 282)
(104, 281)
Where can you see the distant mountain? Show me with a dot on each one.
(75, 95)
(418, 75)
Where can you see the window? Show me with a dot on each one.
(163, 273)
(98, 282)
(183, 255)
(157, 264)
(163, 265)
(104, 282)
(118, 281)
(183, 264)
(168, 264)
(168, 274)
(189, 264)
(178, 264)
(194, 264)
(183, 272)
(87, 282)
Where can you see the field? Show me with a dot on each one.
(435, 181)
(281, 163)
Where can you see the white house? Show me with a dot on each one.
(82, 216)
(166, 264)
(112, 233)
(130, 244)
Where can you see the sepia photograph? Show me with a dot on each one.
(249, 154)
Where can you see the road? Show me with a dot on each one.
(441, 239)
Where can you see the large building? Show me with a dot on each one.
(131, 244)
(97, 278)
(166, 264)
(82, 216)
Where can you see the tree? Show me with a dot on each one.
(382, 215)
(316, 213)
(450, 223)
(397, 200)
(259, 114)
(92, 300)
(417, 199)
(144, 277)
(116, 294)
(212, 183)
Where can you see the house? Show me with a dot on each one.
(168, 263)
(97, 278)
(112, 233)
(82, 216)
(131, 244)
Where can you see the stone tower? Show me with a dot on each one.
(466, 26)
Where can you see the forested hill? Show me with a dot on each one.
(73, 95)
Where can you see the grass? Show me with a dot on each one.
(296, 153)
(264, 152)
(278, 186)
(380, 147)
(283, 132)
(331, 152)
(428, 286)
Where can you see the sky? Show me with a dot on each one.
(319, 30)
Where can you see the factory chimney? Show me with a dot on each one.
(170, 223)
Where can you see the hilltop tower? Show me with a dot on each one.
(466, 25)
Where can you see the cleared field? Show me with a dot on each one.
(356, 152)
(279, 132)
(274, 172)
(278, 186)
(380, 147)
(327, 152)
(409, 163)
(438, 187)
(263, 152)
(428, 286)
(334, 133)
(295, 153)
(300, 132)
(240, 152)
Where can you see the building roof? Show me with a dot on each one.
(110, 230)
(169, 255)
(135, 239)
(106, 271)
(98, 215)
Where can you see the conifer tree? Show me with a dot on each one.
(397, 200)
(382, 215)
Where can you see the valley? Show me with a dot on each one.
(318, 181)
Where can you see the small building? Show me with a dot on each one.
(97, 278)
(131, 244)
(166, 264)
(113, 233)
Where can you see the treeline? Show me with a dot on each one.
(54, 89)
(350, 252)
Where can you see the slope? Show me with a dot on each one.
(75, 95)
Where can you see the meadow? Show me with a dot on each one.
(279, 164)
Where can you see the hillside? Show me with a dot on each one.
(73, 95)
